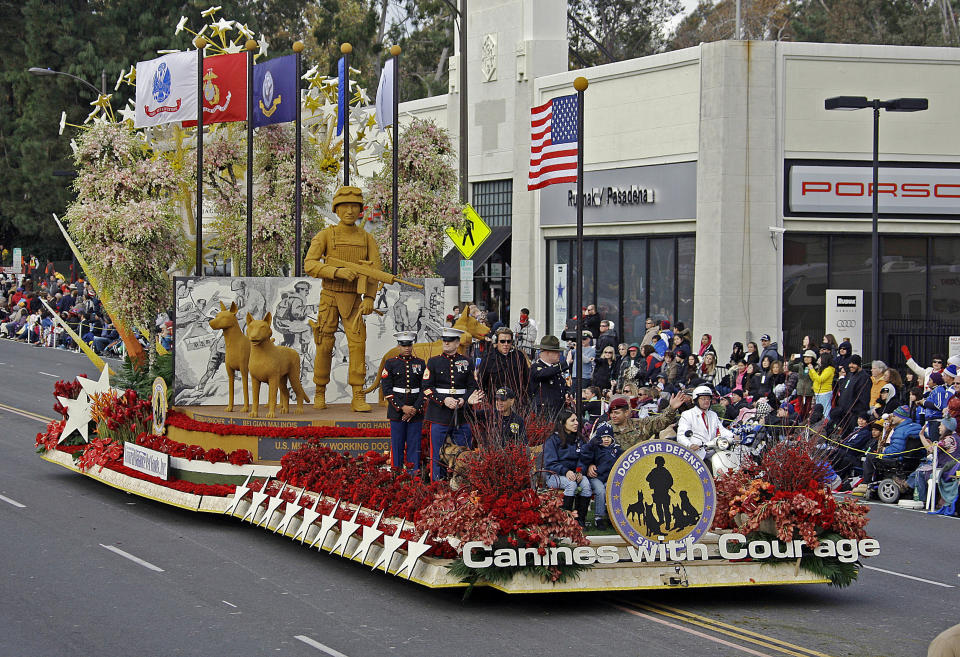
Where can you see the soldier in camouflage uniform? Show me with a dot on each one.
(628, 431)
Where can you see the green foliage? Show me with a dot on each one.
(140, 377)
(893, 22)
(426, 36)
(626, 28)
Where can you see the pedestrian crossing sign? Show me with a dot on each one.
(475, 232)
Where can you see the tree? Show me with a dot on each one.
(428, 199)
(761, 20)
(356, 22)
(894, 22)
(426, 35)
(625, 28)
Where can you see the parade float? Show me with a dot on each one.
(190, 429)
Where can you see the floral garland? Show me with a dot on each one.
(185, 422)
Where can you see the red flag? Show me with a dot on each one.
(224, 89)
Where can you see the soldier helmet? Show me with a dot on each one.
(347, 194)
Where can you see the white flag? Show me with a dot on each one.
(384, 103)
(167, 89)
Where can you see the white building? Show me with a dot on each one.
(757, 198)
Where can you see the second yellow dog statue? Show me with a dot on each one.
(274, 365)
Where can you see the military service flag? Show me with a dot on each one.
(224, 89)
(167, 89)
(275, 94)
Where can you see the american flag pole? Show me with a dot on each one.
(580, 84)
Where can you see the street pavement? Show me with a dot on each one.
(88, 569)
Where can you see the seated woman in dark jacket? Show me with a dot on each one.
(561, 458)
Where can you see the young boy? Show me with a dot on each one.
(597, 459)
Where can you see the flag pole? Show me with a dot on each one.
(580, 84)
(250, 46)
(346, 49)
(298, 225)
(200, 43)
(394, 208)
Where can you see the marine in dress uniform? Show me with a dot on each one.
(400, 382)
(447, 383)
(548, 387)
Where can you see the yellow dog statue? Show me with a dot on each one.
(272, 364)
(237, 347)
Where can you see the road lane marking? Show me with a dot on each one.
(918, 579)
(688, 630)
(56, 376)
(133, 558)
(13, 502)
(319, 646)
(229, 603)
(734, 631)
(655, 606)
(26, 414)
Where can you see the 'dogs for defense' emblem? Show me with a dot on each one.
(161, 83)
(659, 491)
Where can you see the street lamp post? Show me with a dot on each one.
(895, 105)
(36, 70)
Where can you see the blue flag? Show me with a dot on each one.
(343, 95)
(275, 92)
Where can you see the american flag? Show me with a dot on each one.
(553, 142)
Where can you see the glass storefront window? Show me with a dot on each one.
(634, 290)
(686, 266)
(945, 279)
(850, 269)
(616, 276)
(919, 282)
(608, 280)
(903, 277)
(804, 287)
(663, 279)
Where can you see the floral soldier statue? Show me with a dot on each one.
(347, 260)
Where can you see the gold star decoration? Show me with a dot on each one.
(210, 11)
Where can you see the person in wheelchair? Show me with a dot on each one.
(948, 463)
(845, 456)
(892, 455)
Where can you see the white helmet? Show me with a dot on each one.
(701, 391)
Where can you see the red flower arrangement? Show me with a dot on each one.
(497, 505)
(787, 489)
(100, 451)
(69, 390)
(365, 480)
(121, 417)
(193, 452)
(48, 439)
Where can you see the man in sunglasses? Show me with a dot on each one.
(504, 366)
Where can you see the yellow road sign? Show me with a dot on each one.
(469, 240)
